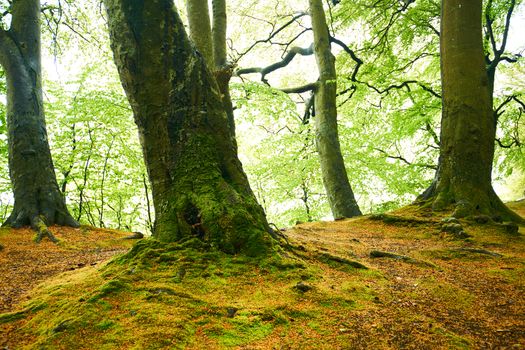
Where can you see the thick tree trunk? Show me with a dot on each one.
(464, 172)
(198, 185)
(335, 179)
(38, 200)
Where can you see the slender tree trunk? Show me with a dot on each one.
(223, 70)
(335, 179)
(463, 178)
(38, 200)
(199, 188)
(200, 28)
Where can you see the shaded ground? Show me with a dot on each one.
(436, 292)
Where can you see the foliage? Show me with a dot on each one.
(96, 151)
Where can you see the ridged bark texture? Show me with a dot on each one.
(464, 172)
(198, 185)
(38, 199)
(335, 179)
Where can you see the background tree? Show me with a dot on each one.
(464, 172)
(335, 179)
(199, 187)
(339, 192)
(38, 200)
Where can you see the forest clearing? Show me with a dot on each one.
(434, 292)
(213, 174)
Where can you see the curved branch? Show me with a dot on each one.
(300, 89)
(277, 65)
(352, 54)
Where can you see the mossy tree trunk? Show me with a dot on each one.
(198, 185)
(38, 200)
(335, 179)
(211, 43)
(463, 178)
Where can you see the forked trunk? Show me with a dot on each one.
(198, 185)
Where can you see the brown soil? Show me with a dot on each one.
(24, 264)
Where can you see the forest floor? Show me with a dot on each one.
(395, 281)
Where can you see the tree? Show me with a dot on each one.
(210, 41)
(38, 200)
(464, 171)
(199, 188)
(335, 179)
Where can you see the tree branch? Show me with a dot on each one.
(300, 89)
(404, 160)
(277, 65)
(272, 34)
(352, 54)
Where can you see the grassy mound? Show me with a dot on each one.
(362, 283)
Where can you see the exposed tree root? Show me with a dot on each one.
(480, 251)
(326, 257)
(479, 203)
(400, 220)
(39, 225)
(404, 258)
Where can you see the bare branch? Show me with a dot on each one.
(277, 65)
(272, 34)
(404, 160)
(352, 54)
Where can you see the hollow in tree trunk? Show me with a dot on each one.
(38, 200)
(198, 185)
(463, 178)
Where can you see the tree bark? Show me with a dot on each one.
(38, 200)
(212, 45)
(223, 70)
(335, 179)
(220, 25)
(200, 28)
(199, 188)
(463, 178)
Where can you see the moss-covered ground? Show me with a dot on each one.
(325, 291)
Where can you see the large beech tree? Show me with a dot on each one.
(198, 184)
(38, 200)
(464, 171)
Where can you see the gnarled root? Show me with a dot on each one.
(38, 224)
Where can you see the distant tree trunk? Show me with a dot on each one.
(200, 28)
(38, 200)
(223, 69)
(199, 188)
(463, 178)
(335, 179)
